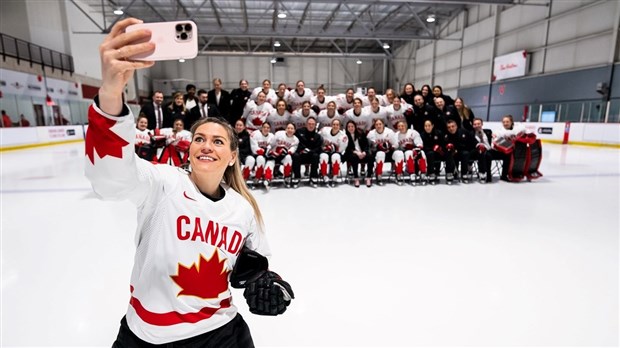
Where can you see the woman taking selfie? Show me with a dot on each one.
(180, 280)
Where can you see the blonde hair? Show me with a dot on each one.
(233, 176)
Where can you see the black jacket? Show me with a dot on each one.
(238, 98)
(431, 139)
(149, 111)
(194, 115)
(224, 105)
(312, 141)
(463, 140)
(420, 115)
(362, 140)
(244, 145)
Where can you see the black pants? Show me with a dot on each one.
(484, 162)
(235, 334)
(353, 161)
(311, 158)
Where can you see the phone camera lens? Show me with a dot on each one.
(183, 36)
(179, 27)
(188, 27)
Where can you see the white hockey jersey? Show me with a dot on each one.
(174, 138)
(186, 244)
(142, 137)
(362, 121)
(270, 98)
(280, 139)
(299, 119)
(339, 140)
(408, 140)
(295, 100)
(278, 122)
(375, 138)
(325, 121)
(260, 141)
(255, 115)
(381, 114)
(343, 103)
(393, 116)
(322, 105)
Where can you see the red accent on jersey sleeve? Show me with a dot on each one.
(101, 138)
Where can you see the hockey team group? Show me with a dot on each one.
(342, 138)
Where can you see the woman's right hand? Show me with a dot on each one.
(116, 70)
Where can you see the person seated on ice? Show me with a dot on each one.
(503, 141)
(283, 145)
(245, 151)
(383, 142)
(177, 144)
(459, 145)
(482, 153)
(411, 146)
(260, 144)
(356, 152)
(334, 146)
(433, 149)
(310, 145)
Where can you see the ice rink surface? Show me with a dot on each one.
(502, 264)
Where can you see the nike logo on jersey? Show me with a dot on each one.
(188, 197)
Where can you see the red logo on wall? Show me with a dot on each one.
(502, 89)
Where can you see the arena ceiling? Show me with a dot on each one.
(355, 28)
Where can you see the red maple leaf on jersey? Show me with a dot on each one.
(206, 279)
(99, 137)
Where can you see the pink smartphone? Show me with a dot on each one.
(173, 40)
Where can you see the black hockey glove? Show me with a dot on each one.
(265, 292)
(268, 294)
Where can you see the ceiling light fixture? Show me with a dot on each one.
(359, 61)
(276, 44)
(430, 18)
(386, 45)
(281, 15)
(118, 11)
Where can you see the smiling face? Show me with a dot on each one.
(265, 129)
(260, 99)
(239, 126)
(335, 126)
(379, 126)
(418, 101)
(428, 126)
(439, 103)
(158, 98)
(210, 150)
(290, 130)
(409, 89)
(311, 124)
(178, 100)
(142, 123)
(300, 87)
(478, 125)
(402, 127)
(436, 91)
(351, 127)
(281, 107)
(243, 84)
(350, 94)
(266, 85)
(458, 103)
(357, 105)
(331, 108)
(178, 125)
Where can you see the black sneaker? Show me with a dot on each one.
(313, 183)
(295, 183)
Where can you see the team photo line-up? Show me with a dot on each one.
(420, 133)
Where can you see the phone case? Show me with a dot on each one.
(170, 43)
